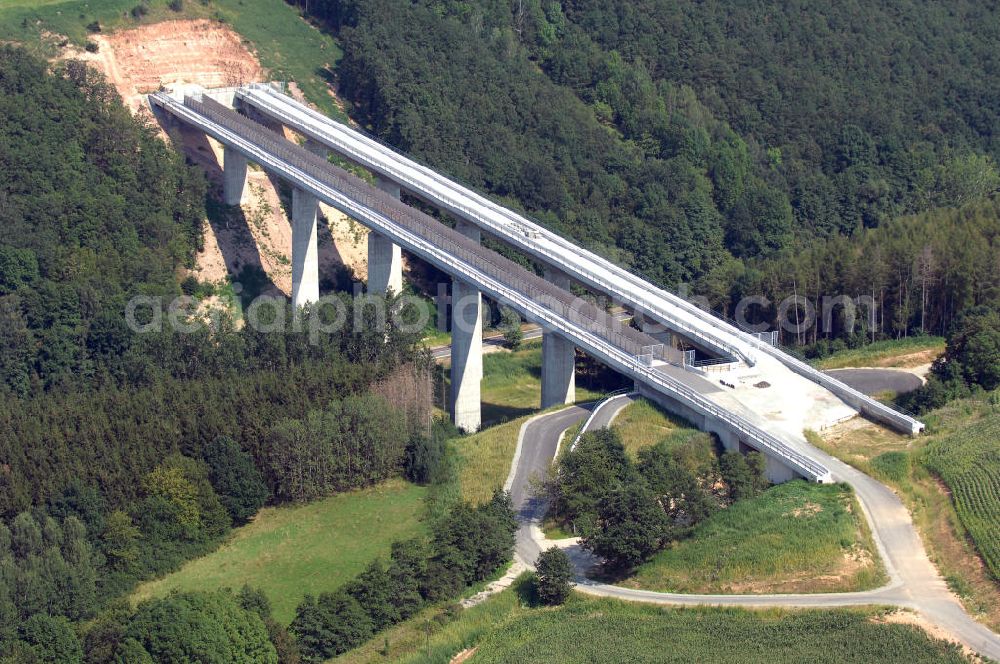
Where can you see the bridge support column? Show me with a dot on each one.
(558, 357)
(385, 260)
(466, 349)
(234, 176)
(305, 257)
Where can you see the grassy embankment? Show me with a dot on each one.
(512, 386)
(291, 551)
(507, 629)
(642, 423)
(899, 353)
(949, 478)
(795, 537)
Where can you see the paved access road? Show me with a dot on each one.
(914, 582)
(872, 381)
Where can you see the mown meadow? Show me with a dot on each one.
(795, 537)
(292, 551)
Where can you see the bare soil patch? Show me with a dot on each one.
(909, 360)
(199, 52)
(210, 54)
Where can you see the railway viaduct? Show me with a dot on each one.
(659, 370)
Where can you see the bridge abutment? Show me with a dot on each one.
(558, 357)
(775, 469)
(305, 255)
(385, 258)
(234, 176)
(466, 348)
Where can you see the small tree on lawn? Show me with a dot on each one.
(631, 527)
(737, 475)
(555, 575)
(510, 322)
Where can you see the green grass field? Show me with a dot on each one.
(795, 537)
(969, 463)
(484, 459)
(642, 424)
(891, 353)
(287, 45)
(952, 467)
(505, 629)
(292, 551)
(512, 384)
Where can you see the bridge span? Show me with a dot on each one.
(562, 258)
(569, 323)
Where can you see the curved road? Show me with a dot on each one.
(914, 582)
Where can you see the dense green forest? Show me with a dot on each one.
(748, 149)
(93, 208)
(124, 453)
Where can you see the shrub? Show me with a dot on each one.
(555, 576)
(631, 527)
(330, 625)
(510, 322)
(201, 627)
(91, 46)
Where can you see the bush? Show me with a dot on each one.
(94, 27)
(139, 11)
(510, 322)
(201, 627)
(744, 475)
(330, 625)
(631, 527)
(176, 5)
(91, 47)
(424, 458)
(555, 576)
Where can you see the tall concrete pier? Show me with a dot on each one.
(305, 257)
(234, 176)
(385, 259)
(558, 357)
(466, 348)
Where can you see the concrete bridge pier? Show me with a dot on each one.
(305, 256)
(466, 348)
(558, 357)
(234, 176)
(385, 259)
